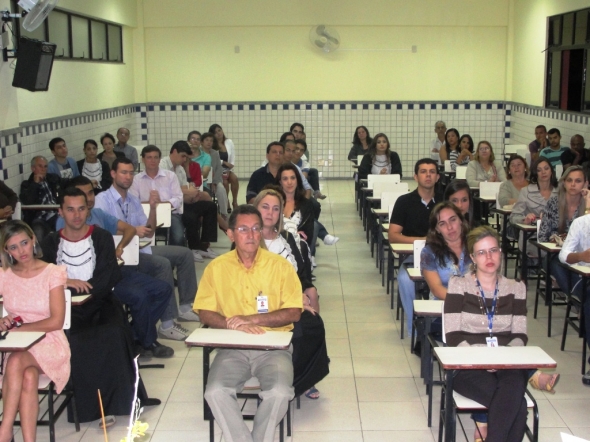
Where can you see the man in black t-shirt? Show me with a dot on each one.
(409, 222)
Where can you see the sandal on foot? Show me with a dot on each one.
(479, 426)
(552, 382)
(109, 421)
(312, 393)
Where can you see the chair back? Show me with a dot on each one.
(528, 159)
(131, 251)
(419, 244)
(140, 162)
(388, 200)
(68, 312)
(18, 211)
(514, 148)
(442, 310)
(386, 186)
(391, 206)
(559, 170)
(163, 213)
(373, 178)
(461, 172)
(489, 190)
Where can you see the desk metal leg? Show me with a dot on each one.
(505, 242)
(425, 356)
(449, 409)
(524, 263)
(207, 414)
(583, 323)
(548, 293)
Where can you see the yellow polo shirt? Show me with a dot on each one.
(230, 289)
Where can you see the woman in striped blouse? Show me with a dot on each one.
(485, 308)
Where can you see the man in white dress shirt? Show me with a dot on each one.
(576, 250)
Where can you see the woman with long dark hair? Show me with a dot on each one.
(380, 159)
(360, 143)
(450, 150)
(445, 254)
(96, 170)
(533, 198)
(458, 193)
(298, 213)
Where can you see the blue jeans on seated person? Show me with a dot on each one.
(177, 237)
(407, 292)
(147, 298)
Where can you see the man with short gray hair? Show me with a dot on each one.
(440, 128)
(122, 146)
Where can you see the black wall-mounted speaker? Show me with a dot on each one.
(34, 60)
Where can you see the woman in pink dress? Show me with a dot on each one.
(33, 290)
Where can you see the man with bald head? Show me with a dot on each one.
(576, 155)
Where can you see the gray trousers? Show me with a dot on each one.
(222, 200)
(229, 371)
(160, 264)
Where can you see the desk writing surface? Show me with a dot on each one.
(548, 246)
(484, 358)
(20, 340)
(143, 243)
(414, 274)
(580, 268)
(502, 210)
(487, 199)
(81, 299)
(425, 307)
(212, 337)
(526, 227)
(380, 212)
(402, 248)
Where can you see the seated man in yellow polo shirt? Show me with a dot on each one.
(252, 290)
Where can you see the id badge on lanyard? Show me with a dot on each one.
(491, 341)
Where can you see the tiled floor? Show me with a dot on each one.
(374, 392)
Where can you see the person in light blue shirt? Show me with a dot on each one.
(61, 164)
(158, 261)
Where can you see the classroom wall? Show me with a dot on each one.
(75, 87)
(190, 50)
(530, 40)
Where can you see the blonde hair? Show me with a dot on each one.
(9, 230)
(272, 192)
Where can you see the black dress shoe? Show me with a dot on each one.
(151, 401)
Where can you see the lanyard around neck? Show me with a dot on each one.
(490, 313)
